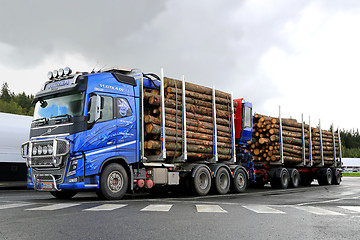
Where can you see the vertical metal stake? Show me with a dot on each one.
(281, 138)
(303, 139)
(184, 118)
(310, 145)
(215, 126)
(321, 145)
(233, 128)
(163, 133)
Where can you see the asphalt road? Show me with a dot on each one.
(315, 212)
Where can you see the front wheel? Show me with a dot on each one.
(113, 182)
(64, 194)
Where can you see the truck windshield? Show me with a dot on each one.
(69, 104)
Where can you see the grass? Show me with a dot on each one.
(351, 174)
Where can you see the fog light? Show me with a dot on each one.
(50, 75)
(55, 73)
(61, 72)
(67, 71)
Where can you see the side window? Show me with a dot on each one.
(107, 109)
(123, 108)
(247, 117)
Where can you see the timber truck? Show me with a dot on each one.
(120, 130)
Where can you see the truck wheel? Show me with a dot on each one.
(222, 181)
(336, 176)
(239, 182)
(281, 179)
(202, 181)
(325, 176)
(113, 182)
(64, 194)
(294, 178)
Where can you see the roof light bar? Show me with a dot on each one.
(59, 73)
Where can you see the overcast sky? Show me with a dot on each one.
(302, 55)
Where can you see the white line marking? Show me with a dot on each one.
(210, 209)
(351, 208)
(54, 207)
(106, 207)
(157, 208)
(14, 205)
(317, 211)
(263, 209)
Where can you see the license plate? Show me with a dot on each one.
(46, 185)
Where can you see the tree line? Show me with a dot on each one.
(20, 103)
(350, 143)
(23, 104)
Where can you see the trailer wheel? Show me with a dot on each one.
(336, 176)
(280, 179)
(222, 181)
(113, 182)
(294, 178)
(325, 176)
(64, 194)
(202, 181)
(239, 182)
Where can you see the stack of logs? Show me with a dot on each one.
(265, 143)
(199, 121)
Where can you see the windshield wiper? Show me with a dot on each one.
(41, 121)
(68, 116)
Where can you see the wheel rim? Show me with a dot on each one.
(284, 179)
(240, 180)
(223, 181)
(329, 176)
(203, 181)
(115, 181)
(296, 179)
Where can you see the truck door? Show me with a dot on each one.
(100, 140)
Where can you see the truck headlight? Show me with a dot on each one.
(72, 167)
(50, 149)
(39, 150)
(34, 150)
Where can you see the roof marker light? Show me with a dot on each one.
(67, 71)
(61, 72)
(50, 75)
(55, 73)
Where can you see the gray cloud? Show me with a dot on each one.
(210, 42)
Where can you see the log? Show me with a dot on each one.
(169, 82)
(153, 144)
(220, 121)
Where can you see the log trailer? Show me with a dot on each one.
(120, 130)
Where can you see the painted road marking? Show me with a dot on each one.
(263, 209)
(210, 209)
(317, 211)
(157, 208)
(54, 207)
(351, 208)
(14, 205)
(106, 207)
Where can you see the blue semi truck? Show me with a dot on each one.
(89, 133)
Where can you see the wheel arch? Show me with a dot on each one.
(214, 168)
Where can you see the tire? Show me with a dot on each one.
(239, 182)
(325, 176)
(64, 194)
(336, 177)
(113, 182)
(222, 181)
(202, 181)
(294, 178)
(281, 179)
